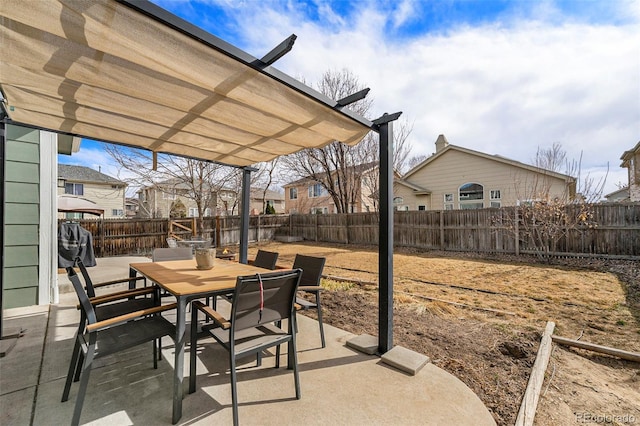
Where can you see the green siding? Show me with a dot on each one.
(23, 152)
(20, 277)
(21, 235)
(21, 214)
(22, 134)
(20, 256)
(18, 192)
(22, 217)
(15, 298)
(22, 172)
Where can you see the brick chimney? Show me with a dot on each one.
(441, 143)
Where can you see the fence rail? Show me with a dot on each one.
(616, 235)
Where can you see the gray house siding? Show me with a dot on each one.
(21, 217)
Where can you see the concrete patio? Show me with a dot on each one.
(339, 385)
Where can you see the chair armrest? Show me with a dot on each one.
(209, 312)
(118, 281)
(125, 294)
(128, 317)
(310, 288)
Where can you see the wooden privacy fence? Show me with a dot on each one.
(617, 231)
(616, 234)
(118, 237)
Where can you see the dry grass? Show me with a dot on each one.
(584, 302)
(481, 348)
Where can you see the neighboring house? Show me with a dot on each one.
(271, 198)
(107, 192)
(30, 261)
(308, 195)
(631, 161)
(460, 178)
(157, 201)
(408, 196)
(619, 196)
(130, 207)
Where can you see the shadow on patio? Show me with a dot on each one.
(339, 385)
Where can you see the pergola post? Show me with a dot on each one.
(245, 207)
(385, 237)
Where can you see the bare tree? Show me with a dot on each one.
(337, 167)
(545, 217)
(196, 180)
(415, 160)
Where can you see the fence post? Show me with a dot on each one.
(516, 232)
(316, 216)
(347, 229)
(442, 230)
(102, 239)
(216, 232)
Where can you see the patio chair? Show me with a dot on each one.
(96, 339)
(310, 283)
(118, 303)
(260, 303)
(265, 259)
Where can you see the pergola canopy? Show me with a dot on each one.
(133, 74)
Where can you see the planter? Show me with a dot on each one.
(205, 258)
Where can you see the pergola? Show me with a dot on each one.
(130, 73)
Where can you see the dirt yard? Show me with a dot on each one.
(481, 319)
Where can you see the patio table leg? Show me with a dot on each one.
(178, 372)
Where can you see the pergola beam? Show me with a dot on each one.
(347, 100)
(279, 51)
(384, 127)
(245, 208)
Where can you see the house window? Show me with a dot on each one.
(74, 188)
(422, 208)
(316, 191)
(116, 212)
(470, 196)
(293, 193)
(319, 210)
(193, 212)
(448, 201)
(398, 200)
(495, 198)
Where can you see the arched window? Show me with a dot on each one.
(471, 196)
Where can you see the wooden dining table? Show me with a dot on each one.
(183, 280)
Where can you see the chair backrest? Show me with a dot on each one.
(266, 259)
(178, 253)
(253, 306)
(172, 243)
(86, 306)
(88, 284)
(311, 268)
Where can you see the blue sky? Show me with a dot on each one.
(501, 77)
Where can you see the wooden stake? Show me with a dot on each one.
(532, 394)
(631, 356)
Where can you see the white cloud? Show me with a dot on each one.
(505, 88)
